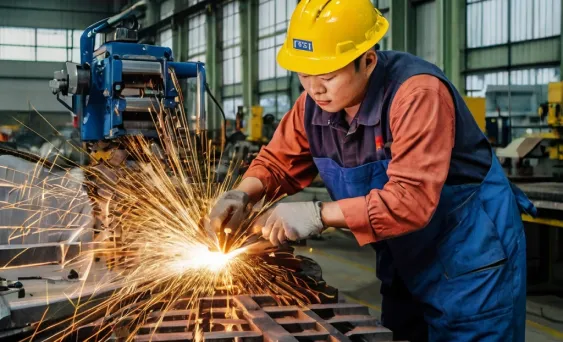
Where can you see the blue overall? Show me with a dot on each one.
(462, 277)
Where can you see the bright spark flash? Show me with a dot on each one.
(192, 258)
(151, 239)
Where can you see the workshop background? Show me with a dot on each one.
(505, 56)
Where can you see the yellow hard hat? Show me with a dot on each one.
(326, 35)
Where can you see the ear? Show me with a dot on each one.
(370, 60)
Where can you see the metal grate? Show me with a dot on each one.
(259, 318)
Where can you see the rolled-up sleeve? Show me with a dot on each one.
(285, 165)
(422, 122)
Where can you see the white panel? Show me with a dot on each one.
(75, 55)
(476, 84)
(16, 93)
(51, 38)
(232, 65)
(521, 20)
(487, 23)
(231, 24)
(51, 54)
(270, 10)
(17, 53)
(266, 71)
(426, 31)
(280, 72)
(17, 36)
(291, 4)
(266, 11)
(165, 38)
(557, 4)
(534, 76)
(534, 19)
(281, 15)
(547, 18)
(472, 26)
(197, 36)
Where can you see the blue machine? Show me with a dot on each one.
(115, 85)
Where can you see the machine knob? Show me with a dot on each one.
(60, 83)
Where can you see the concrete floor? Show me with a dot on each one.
(350, 268)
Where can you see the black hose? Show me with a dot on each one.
(219, 106)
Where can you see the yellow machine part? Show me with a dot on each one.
(556, 152)
(555, 92)
(255, 123)
(477, 108)
(555, 104)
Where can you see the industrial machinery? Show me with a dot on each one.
(551, 113)
(537, 152)
(116, 84)
(112, 90)
(243, 145)
(534, 162)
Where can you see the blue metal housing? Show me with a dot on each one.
(100, 110)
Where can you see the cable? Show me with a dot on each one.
(219, 106)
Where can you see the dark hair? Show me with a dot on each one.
(358, 60)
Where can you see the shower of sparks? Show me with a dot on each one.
(151, 238)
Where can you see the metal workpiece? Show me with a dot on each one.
(140, 67)
(259, 318)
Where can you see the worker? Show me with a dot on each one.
(409, 172)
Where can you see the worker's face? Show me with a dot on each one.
(343, 88)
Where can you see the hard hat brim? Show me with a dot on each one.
(318, 66)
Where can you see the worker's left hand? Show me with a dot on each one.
(290, 221)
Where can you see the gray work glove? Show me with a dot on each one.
(229, 212)
(290, 221)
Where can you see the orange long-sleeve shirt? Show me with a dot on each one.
(421, 120)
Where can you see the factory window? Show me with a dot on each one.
(533, 19)
(36, 44)
(487, 22)
(193, 2)
(165, 38)
(166, 9)
(534, 76)
(73, 38)
(232, 62)
(197, 36)
(230, 107)
(273, 17)
(17, 43)
(476, 85)
(275, 103)
(51, 45)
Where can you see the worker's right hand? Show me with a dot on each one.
(229, 211)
